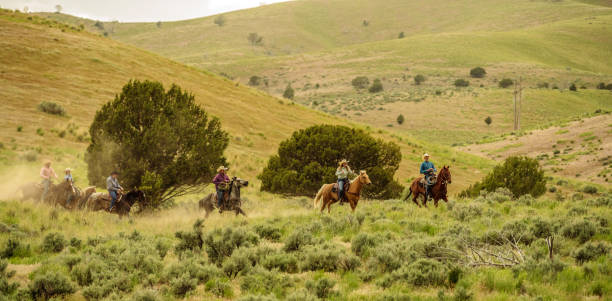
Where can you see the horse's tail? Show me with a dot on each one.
(318, 197)
(409, 193)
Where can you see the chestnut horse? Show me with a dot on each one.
(329, 196)
(437, 192)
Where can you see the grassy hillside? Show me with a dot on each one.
(579, 149)
(283, 248)
(80, 71)
(553, 42)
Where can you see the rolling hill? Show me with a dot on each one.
(553, 43)
(46, 61)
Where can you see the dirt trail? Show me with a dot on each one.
(580, 149)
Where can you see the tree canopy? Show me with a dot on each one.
(310, 157)
(160, 141)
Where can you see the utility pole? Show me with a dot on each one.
(518, 101)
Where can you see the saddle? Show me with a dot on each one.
(346, 187)
(432, 181)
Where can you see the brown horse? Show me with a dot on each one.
(79, 198)
(101, 201)
(329, 196)
(437, 192)
(58, 193)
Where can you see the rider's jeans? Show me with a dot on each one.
(113, 195)
(341, 188)
(220, 195)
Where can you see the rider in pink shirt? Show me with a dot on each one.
(46, 173)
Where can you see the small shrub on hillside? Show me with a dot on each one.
(423, 272)
(363, 243)
(269, 232)
(40, 132)
(19, 128)
(543, 85)
(590, 251)
(297, 240)
(302, 295)
(390, 257)
(289, 92)
(401, 35)
(572, 87)
(320, 257)
(348, 262)
(31, 156)
(418, 79)
(582, 230)
(190, 240)
(221, 243)
(146, 295)
(464, 212)
(220, 20)
(478, 72)
(6, 288)
(182, 285)
(197, 268)
(255, 80)
(541, 228)
(400, 119)
(14, 247)
(461, 83)
(589, 189)
(236, 264)
(322, 287)
(219, 287)
(283, 262)
(604, 200)
(360, 82)
(376, 86)
(263, 282)
(53, 242)
(505, 83)
(488, 120)
(50, 285)
(51, 108)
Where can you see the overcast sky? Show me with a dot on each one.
(136, 10)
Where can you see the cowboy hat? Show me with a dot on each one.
(67, 169)
(222, 168)
(425, 155)
(343, 161)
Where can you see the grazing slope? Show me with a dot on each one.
(80, 71)
(319, 46)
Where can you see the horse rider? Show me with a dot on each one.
(343, 173)
(221, 182)
(46, 172)
(428, 170)
(114, 189)
(68, 178)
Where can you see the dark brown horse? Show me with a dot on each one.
(101, 201)
(437, 192)
(329, 196)
(232, 203)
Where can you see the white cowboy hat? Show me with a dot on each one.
(67, 169)
(221, 168)
(425, 155)
(343, 161)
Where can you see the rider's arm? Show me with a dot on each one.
(42, 174)
(53, 172)
(109, 185)
(338, 171)
(433, 167)
(423, 168)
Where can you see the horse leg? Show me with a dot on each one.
(445, 199)
(414, 199)
(353, 205)
(436, 202)
(329, 207)
(323, 204)
(239, 211)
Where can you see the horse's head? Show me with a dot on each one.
(364, 178)
(238, 182)
(445, 174)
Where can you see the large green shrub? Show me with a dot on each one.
(582, 230)
(310, 157)
(160, 141)
(418, 79)
(6, 288)
(521, 175)
(289, 92)
(478, 72)
(221, 242)
(322, 287)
